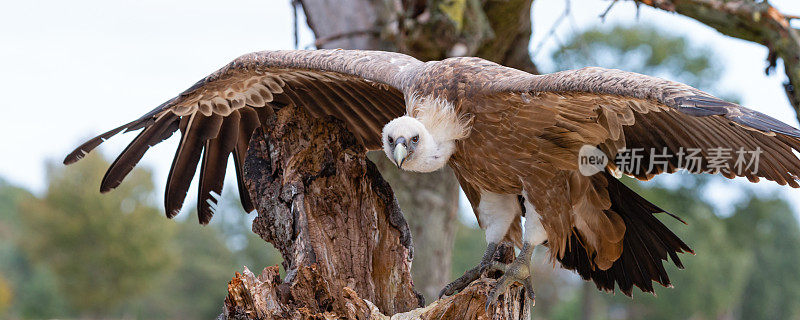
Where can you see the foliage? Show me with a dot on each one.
(76, 252)
(466, 249)
(767, 228)
(643, 49)
(207, 258)
(714, 280)
(102, 248)
(5, 294)
(32, 288)
(195, 289)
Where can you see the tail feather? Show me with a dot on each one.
(646, 245)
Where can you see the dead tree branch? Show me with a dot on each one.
(753, 21)
(267, 297)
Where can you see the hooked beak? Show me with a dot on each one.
(400, 152)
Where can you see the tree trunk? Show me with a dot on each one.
(430, 203)
(427, 30)
(346, 247)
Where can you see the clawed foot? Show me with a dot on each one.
(517, 271)
(471, 274)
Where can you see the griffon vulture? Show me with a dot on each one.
(512, 138)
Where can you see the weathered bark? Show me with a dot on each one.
(753, 21)
(427, 30)
(431, 208)
(427, 200)
(346, 247)
(321, 202)
(310, 296)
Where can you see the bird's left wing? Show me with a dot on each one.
(541, 122)
(217, 115)
(616, 110)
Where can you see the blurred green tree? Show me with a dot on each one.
(464, 254)
(102, 248)
(234, 226)
(32, 287)
(767, 228)
(76, 252)
(192, 289)
(207, 257)
(5, 294)
(713, 282)
(643, 49)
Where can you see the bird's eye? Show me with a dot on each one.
(391, 140)
(415, 139)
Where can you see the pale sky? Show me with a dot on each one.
(73, 69)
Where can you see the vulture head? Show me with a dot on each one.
(411, 146)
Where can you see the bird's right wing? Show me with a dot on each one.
(217, 115)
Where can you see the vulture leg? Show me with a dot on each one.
(472, 274)
(496, 213)
(517, 271)
(520, 270)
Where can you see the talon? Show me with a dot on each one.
(499, 288)
(517, 271)
(529, 289)
(462, 282)
(492, 298)
(447, 290)
(471, 274)
(498, 266)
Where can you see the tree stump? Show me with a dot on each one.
(347, 248)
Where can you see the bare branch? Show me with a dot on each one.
(605, 13)
(295, 3)
(320, 42)
(758, 22)
(552, 32)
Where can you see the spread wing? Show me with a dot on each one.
(217, 115)
(550, 117)
(615, 110)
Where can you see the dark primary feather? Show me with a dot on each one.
(248, 123)
(159, 131)
(88, 146)
(215, 160)
(194, 135)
